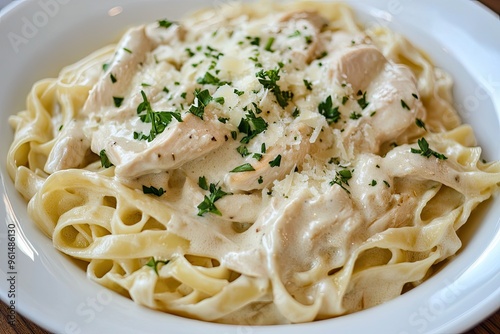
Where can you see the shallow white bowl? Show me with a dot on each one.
(39, 37)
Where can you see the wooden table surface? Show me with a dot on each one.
(23, 326)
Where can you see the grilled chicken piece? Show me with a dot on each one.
(292, 149)
(179, 143)
(299, 35)
(130, 53)
(391, 87)
(70, 149)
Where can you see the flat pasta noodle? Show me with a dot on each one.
(256, 165)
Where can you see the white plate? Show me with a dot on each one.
(39, 37)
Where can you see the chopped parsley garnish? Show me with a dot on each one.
(127, 50)
(223, 120)
(159, 119)
(373, 183)
(257, 156)
(210, 79)
(355, 115)
(345, 98)
(296, 33)
(404, 105)
(415, 96)
(342, 178)
(362, 101)
(165, 89)
(387, 184)
(373, 113)
(269, 44)
(144, 84)
(420, 123)
(118, 101)
(220, 100)
(202, 182)
(263, 148)
(189, 52)
(308, 39)
(323, 55)
(251, 125)
(234, 135)
(105, 67)
(426, 151)
(260, 180)
(326, 109)
(112, 77)
(268, 80)
(153, 264)
(254, 40)
(243, 168)
(276, 162)
(308, 84)
(296, 112)
(165, 23)
(153, 190)
(203, 97)
(213, 53)
(104, 159)
(243, 151)
(238, 92)
(208, 204)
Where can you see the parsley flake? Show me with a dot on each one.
(276, 162)
(165, 23)
(159, 119)
(202, 182)
(153, 264)
(204, 98)
(208, 204)
(210, 79)
(308, 84)
(269, 44)
(326, 109)
(104, 159)
(153, 190)
(355, 115)
(243, 168)
(362, 101)
(342, 178)
(404, 105)
(251, 125)
(420, 123)
(238, 92)
(426, 151)
(269, 80)
(118, 101)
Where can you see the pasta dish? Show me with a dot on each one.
(252, 164)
